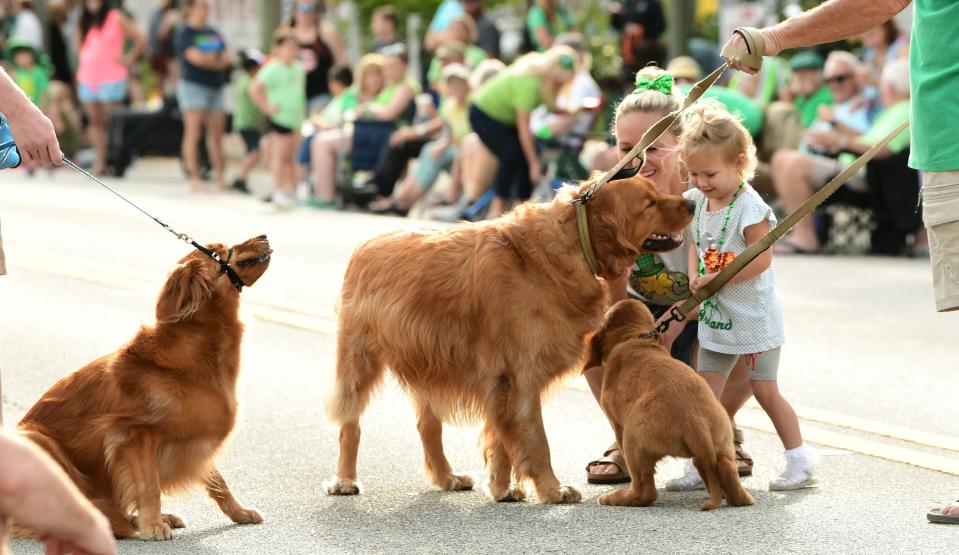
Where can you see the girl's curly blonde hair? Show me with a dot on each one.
(709, 125)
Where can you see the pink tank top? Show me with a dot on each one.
(101, 52)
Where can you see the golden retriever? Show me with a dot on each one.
(480, 320)
(150, 417)
(660, 407)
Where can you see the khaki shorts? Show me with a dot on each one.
(940, 213)
(3, 262)
(764, 367)
(825, 168)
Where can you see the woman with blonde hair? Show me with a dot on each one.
(500, 116)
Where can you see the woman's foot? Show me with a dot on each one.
(610, 469)
(387, 206)
(689, 481)
(948, 514)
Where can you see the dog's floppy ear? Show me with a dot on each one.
(187, 287)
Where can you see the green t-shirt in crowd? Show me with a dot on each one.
(456, 117)
(887, 120)
(471, 58)
(387, 94)
(808, 106)
(245, 113)
(536, 19)
(738, 104)
(934, 78)
(335, 111)
(286, 89)
(34, 82)
(505, 93)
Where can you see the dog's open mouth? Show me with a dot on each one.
(256, 260)
(659, 242)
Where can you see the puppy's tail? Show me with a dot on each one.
(736, 495)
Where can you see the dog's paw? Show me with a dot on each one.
(565, 494)
(246, 516)
(341, 486)
(513, 494)
(173, 521)
(456, 482)
(155, 532)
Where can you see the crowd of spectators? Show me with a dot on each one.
(468, 137)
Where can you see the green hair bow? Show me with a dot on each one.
(663, 84)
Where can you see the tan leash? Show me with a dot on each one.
(753, 58)
(680, 313)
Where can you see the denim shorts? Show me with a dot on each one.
(112, 92)
(195, 97)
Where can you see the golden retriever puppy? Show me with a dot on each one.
(477, 322)
(660, 407)
(149, 418)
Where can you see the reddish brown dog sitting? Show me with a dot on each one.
(659, 407)
(150, 417)
(478, 321)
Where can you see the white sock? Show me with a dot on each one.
(802, 456)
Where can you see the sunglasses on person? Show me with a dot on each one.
(837, 79)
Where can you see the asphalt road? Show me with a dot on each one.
(868, 365)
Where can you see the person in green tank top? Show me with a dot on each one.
(279, 91)
(500, 116)
(934, 72)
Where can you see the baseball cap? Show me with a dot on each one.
(806, 59)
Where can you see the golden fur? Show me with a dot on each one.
(478, 321)
(150, 417)
(660, 407)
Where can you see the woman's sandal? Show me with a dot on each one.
(617, 460)
(755, 49)
(744, 463)
(936, 516)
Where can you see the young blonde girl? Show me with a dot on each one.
(744, 319)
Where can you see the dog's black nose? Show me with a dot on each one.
(262, 237)
(691, 207)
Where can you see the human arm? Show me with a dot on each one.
(396, 107)
(762, 262)
(332, 40)
(836, 142)
(136, 37)
(420, 131)
(36, 493)
(258, 96)
(31, 130)
(528, 145)
(828, 22)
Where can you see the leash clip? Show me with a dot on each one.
(674, 316)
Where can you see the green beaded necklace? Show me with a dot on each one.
(710, 303)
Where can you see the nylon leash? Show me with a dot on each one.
(224, 265)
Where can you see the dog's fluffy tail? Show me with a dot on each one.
(736, 495)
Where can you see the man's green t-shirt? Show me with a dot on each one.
(34, 82)
(536, 19)
(506, 93)
(245, 113)
(887, 120)
(286, 89)
(934, 68)
(808, 106)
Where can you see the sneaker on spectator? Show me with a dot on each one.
(690, 481)
(240, 186)
(282, 200)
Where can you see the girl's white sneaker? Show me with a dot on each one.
(797, 475)
(688, 482)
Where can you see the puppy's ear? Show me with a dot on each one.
(594, 347)
(187, 287)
